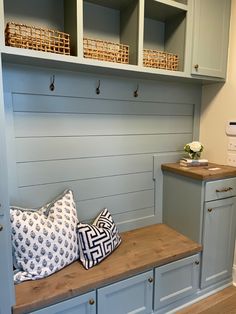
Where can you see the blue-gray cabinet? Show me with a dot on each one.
(204, 209)
(210, 37)
(144, 293)
(132, 295)
(218, 240)
(176, 280)
(83, 304)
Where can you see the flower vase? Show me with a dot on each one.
(194, 155)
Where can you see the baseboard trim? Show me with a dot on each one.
(199, 298)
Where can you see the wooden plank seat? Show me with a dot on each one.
(140, 250)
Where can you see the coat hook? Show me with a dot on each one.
(98, 88)
(136, 91)
(52, 85)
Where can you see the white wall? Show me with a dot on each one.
(218, 106)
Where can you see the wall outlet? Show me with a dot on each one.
(232, 143)
(231, 159)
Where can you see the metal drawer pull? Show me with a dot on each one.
(150, 279)
(91, 301)
(225, 189)
(210, 210)
(197, 262)
(1, 227)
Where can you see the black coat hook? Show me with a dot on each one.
(52, 85)
(136, 91)
(98, 88)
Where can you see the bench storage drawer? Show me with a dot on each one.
(83, 304)
(132, 295)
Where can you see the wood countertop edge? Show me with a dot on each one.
(190, 171)
(71, 291)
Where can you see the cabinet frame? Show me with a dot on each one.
(7, 296)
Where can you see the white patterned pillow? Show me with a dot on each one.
(44, 240)
(98, 240)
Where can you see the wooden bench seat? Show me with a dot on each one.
(140, 250)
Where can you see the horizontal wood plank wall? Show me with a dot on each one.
(101, 146)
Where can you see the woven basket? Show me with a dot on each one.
(30, 37)
(160, 60)
(105, 51)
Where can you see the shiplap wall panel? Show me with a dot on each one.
(131, 218)
(48, 148)
(65, 104)
(117, 204)
(33, 124)
(33, 173)
(35, 195)
(100, 146)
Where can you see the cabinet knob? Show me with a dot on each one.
(210, 210)
(150, 279)
(91, 301)
(1, 227)
(196, 66)
(197, 262)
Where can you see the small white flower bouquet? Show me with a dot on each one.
(194, 149)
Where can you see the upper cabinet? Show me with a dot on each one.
(210, 37)
(143, 37)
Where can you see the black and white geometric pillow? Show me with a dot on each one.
(44, 240)
(98, 240)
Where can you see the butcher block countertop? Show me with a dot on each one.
(210, 172)
(140, 250)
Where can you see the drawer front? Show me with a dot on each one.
(83, 304)
(132, 295)
(220, 189)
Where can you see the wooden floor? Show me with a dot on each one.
(223, 302)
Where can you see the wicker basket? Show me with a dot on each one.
(105, 51)
(30, 37)
(160, 60)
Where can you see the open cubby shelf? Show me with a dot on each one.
(134, 24)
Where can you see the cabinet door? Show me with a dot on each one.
(210, 37)
(6, 275)
(133, 295)
(218, 241)
(176, 280)
(83, 304)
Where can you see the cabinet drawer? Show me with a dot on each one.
(219, 189)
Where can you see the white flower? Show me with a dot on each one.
(195, 146)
